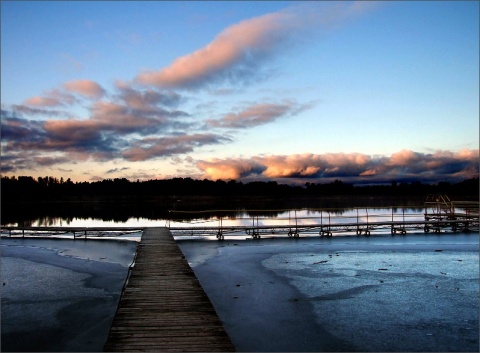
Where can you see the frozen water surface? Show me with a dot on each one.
(390, 301)
(378, 293)
(60, 294)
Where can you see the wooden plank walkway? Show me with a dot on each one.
(163, 306)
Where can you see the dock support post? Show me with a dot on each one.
(291, 233)
(220, 235)
(296, 235)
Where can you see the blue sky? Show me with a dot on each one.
(364, 92)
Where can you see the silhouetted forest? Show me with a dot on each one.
(28, 189)
(25, 199)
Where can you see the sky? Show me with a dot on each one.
(364, 92)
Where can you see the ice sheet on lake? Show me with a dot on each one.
(379, 301)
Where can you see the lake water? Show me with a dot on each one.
(229, 217)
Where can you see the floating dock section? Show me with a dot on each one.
(163, 307)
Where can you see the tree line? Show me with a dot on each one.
(29, 189)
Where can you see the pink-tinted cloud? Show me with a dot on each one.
(258, 114)
(225, 51)
(288, 166)
(353, 167)
(237, 52)
(113, 127)
(87, 88)
(52, 98)
(229, 168)
(404, 158)
(63, 96)
(44, 102)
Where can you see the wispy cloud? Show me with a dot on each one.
(116, 170)
(32, 111)
(49, 161)
(38, 101)
(53, 98)
(258, 114)
(66, 95)
(238, 52)
(149, 100)
(151, 147)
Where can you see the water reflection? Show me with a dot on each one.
(50, 213)
(120, 216)
(200, 210)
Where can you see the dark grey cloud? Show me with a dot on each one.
(146, 99)
(149, 148)
(26, 110)
(259, 114)
(116, 170)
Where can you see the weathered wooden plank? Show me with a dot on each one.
(163, 307)
(159, 338)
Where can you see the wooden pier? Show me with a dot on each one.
(163, 307)
(439, 215)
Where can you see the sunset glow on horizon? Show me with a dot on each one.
(363, 92)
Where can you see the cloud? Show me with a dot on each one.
(230, 168)
(63, 96)
(88, 138)
(115, 170)
(72, 134)
(135, 122)
(49, 161)
(111, 130)
(24, 109)
(52, 98)
(114, 117)
(353, 167)
(151, 147)
(243, 42)
(258, 114)
(18, 129)
(150, 101)
(86, 88)
(236, 54)
(43, 102)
